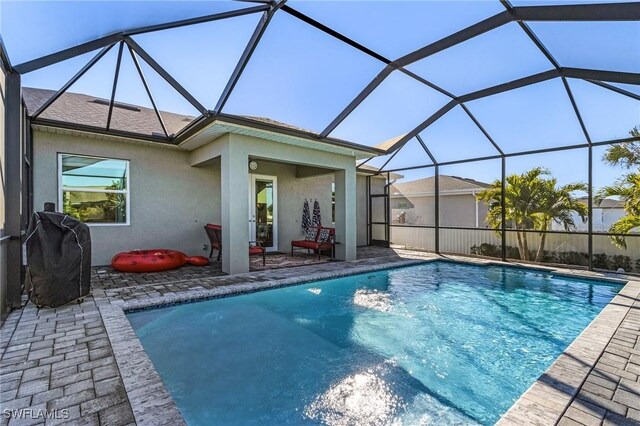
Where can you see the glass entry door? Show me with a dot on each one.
(263, 214)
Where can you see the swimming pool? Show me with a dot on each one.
(438, 343)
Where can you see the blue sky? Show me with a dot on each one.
(301, 76)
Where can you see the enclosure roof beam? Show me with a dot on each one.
(463, 35)
(386, 71)
(615, 89)
(365, 162)
(482, 129)
(72, 81)
(246, 56)
(579, 12)
(113, 38)
(115, 85)
(301, 16)
(391, 66)
(543, 49)
(521, 153)
(69, 53)
(165, 75)
(586, 74)
(388, 159)
(194, 127)
(576, 110)
(426, 123)
(197, 20)
(148, 90)
(4, 56)
(515, 84)
(424, 146)
(610, 76)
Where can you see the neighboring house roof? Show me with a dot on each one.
(447, 184)
(368, 168)
(607, 203)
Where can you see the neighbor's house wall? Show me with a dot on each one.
(3, 176)
(455, 210)
(170, 200)
(602, 220)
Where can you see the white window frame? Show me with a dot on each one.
(127, 191)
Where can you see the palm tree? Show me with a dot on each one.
(533, 201)
(626, 188)
(557, 205)
(627, 154)
(521, 194)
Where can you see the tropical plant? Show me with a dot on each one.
(626, 188)
(557, 204)
(533, 201)
(625, 154)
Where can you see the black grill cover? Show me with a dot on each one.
(58, 259)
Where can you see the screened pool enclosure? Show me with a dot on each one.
(477, 92)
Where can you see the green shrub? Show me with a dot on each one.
(486, 249)
(600, 260)
(619, 261)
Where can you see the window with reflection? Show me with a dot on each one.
(94, 190)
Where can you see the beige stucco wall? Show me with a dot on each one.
(173, 193)
(455, 210)
(170, 200)
(291, 194)
(236, 150)
(3, 179)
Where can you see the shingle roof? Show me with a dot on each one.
(447, 183)
(92, 111)
(389, 143)
(607, 203)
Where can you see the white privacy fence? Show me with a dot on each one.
(559, 247)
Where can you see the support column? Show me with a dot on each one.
(590, 209)
(345, 181)
(13, 189)
(235, 208)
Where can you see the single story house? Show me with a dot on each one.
(413, 202)
(605, 214)
(235, 171)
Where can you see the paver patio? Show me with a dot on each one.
(67, 359)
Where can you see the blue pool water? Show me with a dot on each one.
(438, 343)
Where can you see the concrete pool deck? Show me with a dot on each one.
(84, 364)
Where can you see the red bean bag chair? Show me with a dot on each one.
(154, 260)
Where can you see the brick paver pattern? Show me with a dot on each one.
(611, 393)
(61, 360)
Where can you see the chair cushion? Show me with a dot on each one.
(305, 244)
(323, 235)
(255, 250)
(311, 234)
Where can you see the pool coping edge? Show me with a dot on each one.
(152, 404)
(549, 397)
(150, 401)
